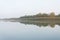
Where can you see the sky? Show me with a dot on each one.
(18, 8)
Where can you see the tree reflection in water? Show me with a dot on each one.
(52, 23)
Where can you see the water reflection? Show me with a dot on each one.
(52, 23)
(39, 23)
(17, 31)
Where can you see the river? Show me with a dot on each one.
(20, 31)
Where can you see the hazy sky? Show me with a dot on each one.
(17, 8)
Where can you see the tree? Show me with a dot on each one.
(39, 14)
(52, 14)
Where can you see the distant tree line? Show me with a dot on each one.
(51, 15)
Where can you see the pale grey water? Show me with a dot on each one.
(18, 31)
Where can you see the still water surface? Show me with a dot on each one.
(19, 31)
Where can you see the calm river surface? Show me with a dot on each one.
(19, 31)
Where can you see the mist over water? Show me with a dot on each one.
(28, 30)
(19, 31)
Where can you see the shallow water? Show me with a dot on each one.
(19, 31)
